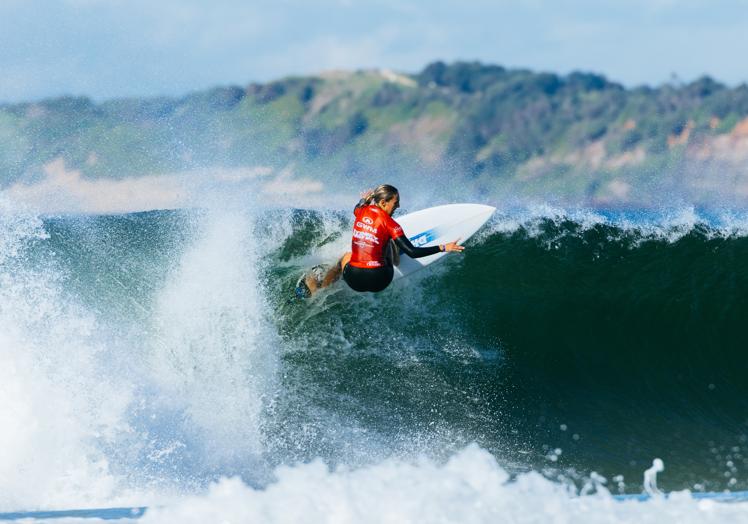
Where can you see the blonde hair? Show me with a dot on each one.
(383, 193)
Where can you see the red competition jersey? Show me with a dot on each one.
(372, 230)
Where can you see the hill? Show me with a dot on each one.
(578, 137)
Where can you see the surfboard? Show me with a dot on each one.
(427, 227)
(439, 225)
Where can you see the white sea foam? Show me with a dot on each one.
(213, 354)
(77, 429)
(56, 412)
(469, 488)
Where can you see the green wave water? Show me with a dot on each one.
(557, 344)
(560, 343)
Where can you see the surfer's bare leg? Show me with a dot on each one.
(333, 275)
(311, 283)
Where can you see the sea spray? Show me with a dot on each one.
(650, 477)
(121, 382)
(212, 350)
(56, 413)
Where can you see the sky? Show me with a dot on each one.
(126, 48)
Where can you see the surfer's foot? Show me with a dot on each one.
(302, 290)
(310, 282)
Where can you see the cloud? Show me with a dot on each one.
(114, 48)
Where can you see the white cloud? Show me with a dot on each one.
(109, 48)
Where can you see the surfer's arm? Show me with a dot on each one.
(412, 251)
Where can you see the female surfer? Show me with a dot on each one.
(369, 264)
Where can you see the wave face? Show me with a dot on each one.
(152, 354)
(557, 341)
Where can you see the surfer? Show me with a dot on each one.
(377, 240)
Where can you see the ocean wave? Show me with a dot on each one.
(170, 350)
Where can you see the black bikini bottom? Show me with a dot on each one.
(368, 279)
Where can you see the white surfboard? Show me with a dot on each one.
(439, 225)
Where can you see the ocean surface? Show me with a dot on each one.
(159, 359)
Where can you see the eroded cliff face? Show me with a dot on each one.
(709, 166)
(728, 149)
(719, 163)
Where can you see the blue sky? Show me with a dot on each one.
(116, 48)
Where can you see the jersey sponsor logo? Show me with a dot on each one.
(366, 237)
(368, 220)
(373, 263)
(366, 227)
(421, 239)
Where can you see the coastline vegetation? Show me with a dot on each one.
(575, 133)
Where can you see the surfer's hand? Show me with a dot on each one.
(453, 247)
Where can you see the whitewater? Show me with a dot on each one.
(159, 360)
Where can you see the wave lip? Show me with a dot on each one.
(666, 224)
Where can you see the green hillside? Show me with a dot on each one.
(578, 135)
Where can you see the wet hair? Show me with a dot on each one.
(383, 193)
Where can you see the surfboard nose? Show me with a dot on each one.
(440, 225)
